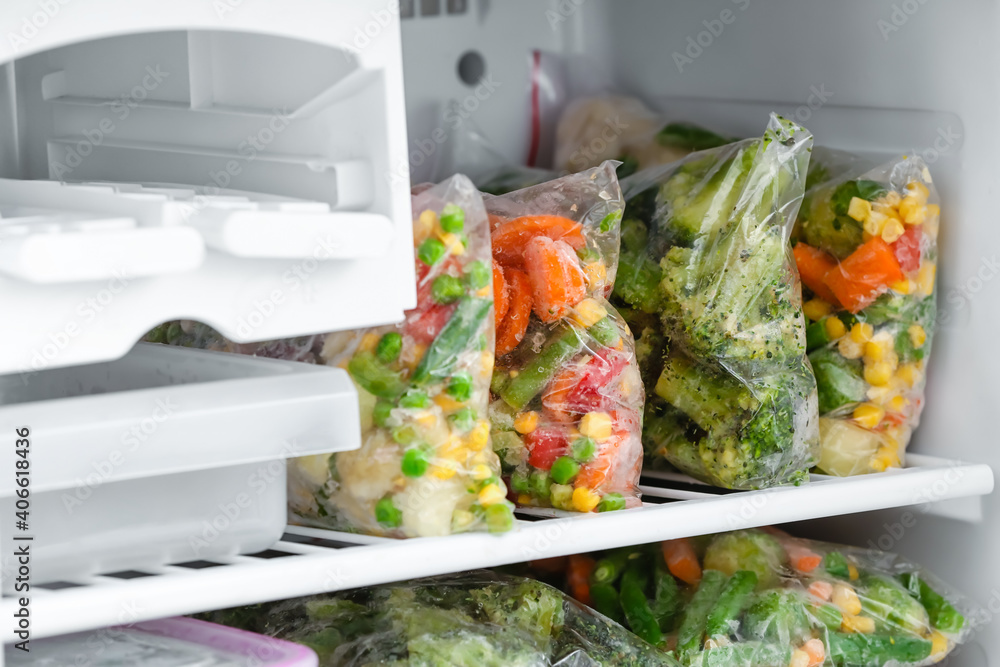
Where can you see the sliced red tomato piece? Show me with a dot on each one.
(545, 444)
(907, 249)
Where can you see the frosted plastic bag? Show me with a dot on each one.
(478, 619)
(707, 282)
(613, 127)
(567, 398)
(867, 250)
(425, 466)
(761, 598)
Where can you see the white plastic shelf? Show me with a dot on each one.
(309, 561)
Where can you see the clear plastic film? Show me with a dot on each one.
(567, 399)
(425, 466)
(761, 598)
(707, 283)
(866, 248)
(478, 619)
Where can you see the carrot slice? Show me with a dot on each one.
(554, 398)
(500, 299)
(813, 265)
(821, 589)
(515, 323)
(557, 281)
(803, 559)
(682, 561)
(496, 221)
(594, 474)
(578, 577)
(816, 650)
(864, 275)
(510, 238)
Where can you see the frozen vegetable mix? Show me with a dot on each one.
(478, 619)
(425, 466)
(763, 598)
(866, 251)
(707, 282)
(566, 407)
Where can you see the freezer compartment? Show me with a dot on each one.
(231, 175)
(167, 455)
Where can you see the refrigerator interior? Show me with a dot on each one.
(882, 77)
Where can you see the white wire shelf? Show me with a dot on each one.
(308, 561)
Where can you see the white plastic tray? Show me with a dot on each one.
(166, 454)
(309, 560)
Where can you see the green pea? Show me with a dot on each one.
(404, 435)
(431, 252)
(447, 289)
(587, 255)
(381, 412)
(583, 449)
(452, 218)
(416, 399)
(464, 419)
(389, 346)
(415, 462)
(564, 470)
(387, 514)
(611, 502)
(539, 483)
(478, 275)
(460, 387)
(499, 517)
(520, 482)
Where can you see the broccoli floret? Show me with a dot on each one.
(752, 550)
(890, 604)
(778, 616)
(530, 606)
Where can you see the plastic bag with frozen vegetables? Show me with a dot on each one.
(425, 466)
(707, 283)
(567, 398)
(866, 248)
(762, 598)
(477, 619)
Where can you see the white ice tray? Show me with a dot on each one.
(166, 455)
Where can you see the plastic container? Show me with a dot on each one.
(170, 642)
(210, 165)
(166, 455)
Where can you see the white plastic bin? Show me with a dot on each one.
(167, 455)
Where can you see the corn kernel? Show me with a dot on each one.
(878, 374)
(596, 274)
(859, 624)
(909, 374)
(526, 422)
(835, 328)
(524, 499)
(918, 191)
(453, 242)
(514, 373)
(479, 436)
(816, 309)
(481, 472)
(892, 198)
(443, 471)
(447, 403)
(862, 332)
(799, 659)
(368, 342)
(584, 500)
(486, 361)
(491, 494)
(484, 292)
(885, 457)
(874, 351)
(875, 222)
(424, 227)
(879, 395)
(462, 519)
(925, 278)
(939, 643)
(426, 419)
(846, 600)
(849, 348)
(933, 212)
(589, 312)
(917, 335)
(868, 415)
(852, 572)
(412, 355)
(596, 425)
(859, 208)
(898, 403)
(912, 211)
(904, 286)
(892, 230)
